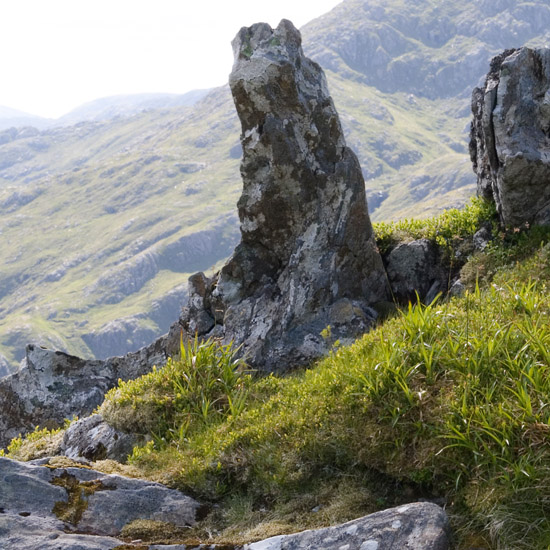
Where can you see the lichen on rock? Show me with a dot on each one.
(510, 136)
(307, 247)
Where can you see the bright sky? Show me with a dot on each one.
(58, 54)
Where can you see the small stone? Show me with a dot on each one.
(413, 269)
(93, 439)
(482, 238)
(457, 288)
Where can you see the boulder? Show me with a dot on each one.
(510, 136)
(307, 246)
(414, 268)
(52, 386)
(417, 526)
(87, 501)
(93, 439)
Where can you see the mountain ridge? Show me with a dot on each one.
(101, 109)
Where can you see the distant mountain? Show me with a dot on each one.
(105, 108)
(13, 118)
(102, 221)
(108, 108)
(420, 59)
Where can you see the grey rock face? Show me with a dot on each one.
(39, 533)
(414, 268)
(41, 504)
(418, 526)
(306, 238)
(510, 139)
(93, 439)
(51, 386)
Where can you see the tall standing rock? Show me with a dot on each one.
(307, 256)
(510, 136)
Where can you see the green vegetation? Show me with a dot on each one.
(448, 230)
(445, 401)
(203, 387)
(37, 444)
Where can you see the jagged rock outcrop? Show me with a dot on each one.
(418, 526)
(52, 386)
(510, 136)
(45, 507)
(307, 256)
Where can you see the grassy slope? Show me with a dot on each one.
(446, 402)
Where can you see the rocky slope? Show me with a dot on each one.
(102, 222)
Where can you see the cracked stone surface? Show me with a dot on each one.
(46, 507)
(510, 136)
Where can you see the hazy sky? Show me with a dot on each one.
(58, 54)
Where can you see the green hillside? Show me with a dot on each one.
(101, 222)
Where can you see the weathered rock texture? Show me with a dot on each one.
(418, 526)
(307, 256)
(510, 136)
(40, 506)
(93, 439)
(415, 269)
(51, 386)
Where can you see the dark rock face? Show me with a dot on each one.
(417, 526)
(52, 386)
(510, 136)
(307, 245)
